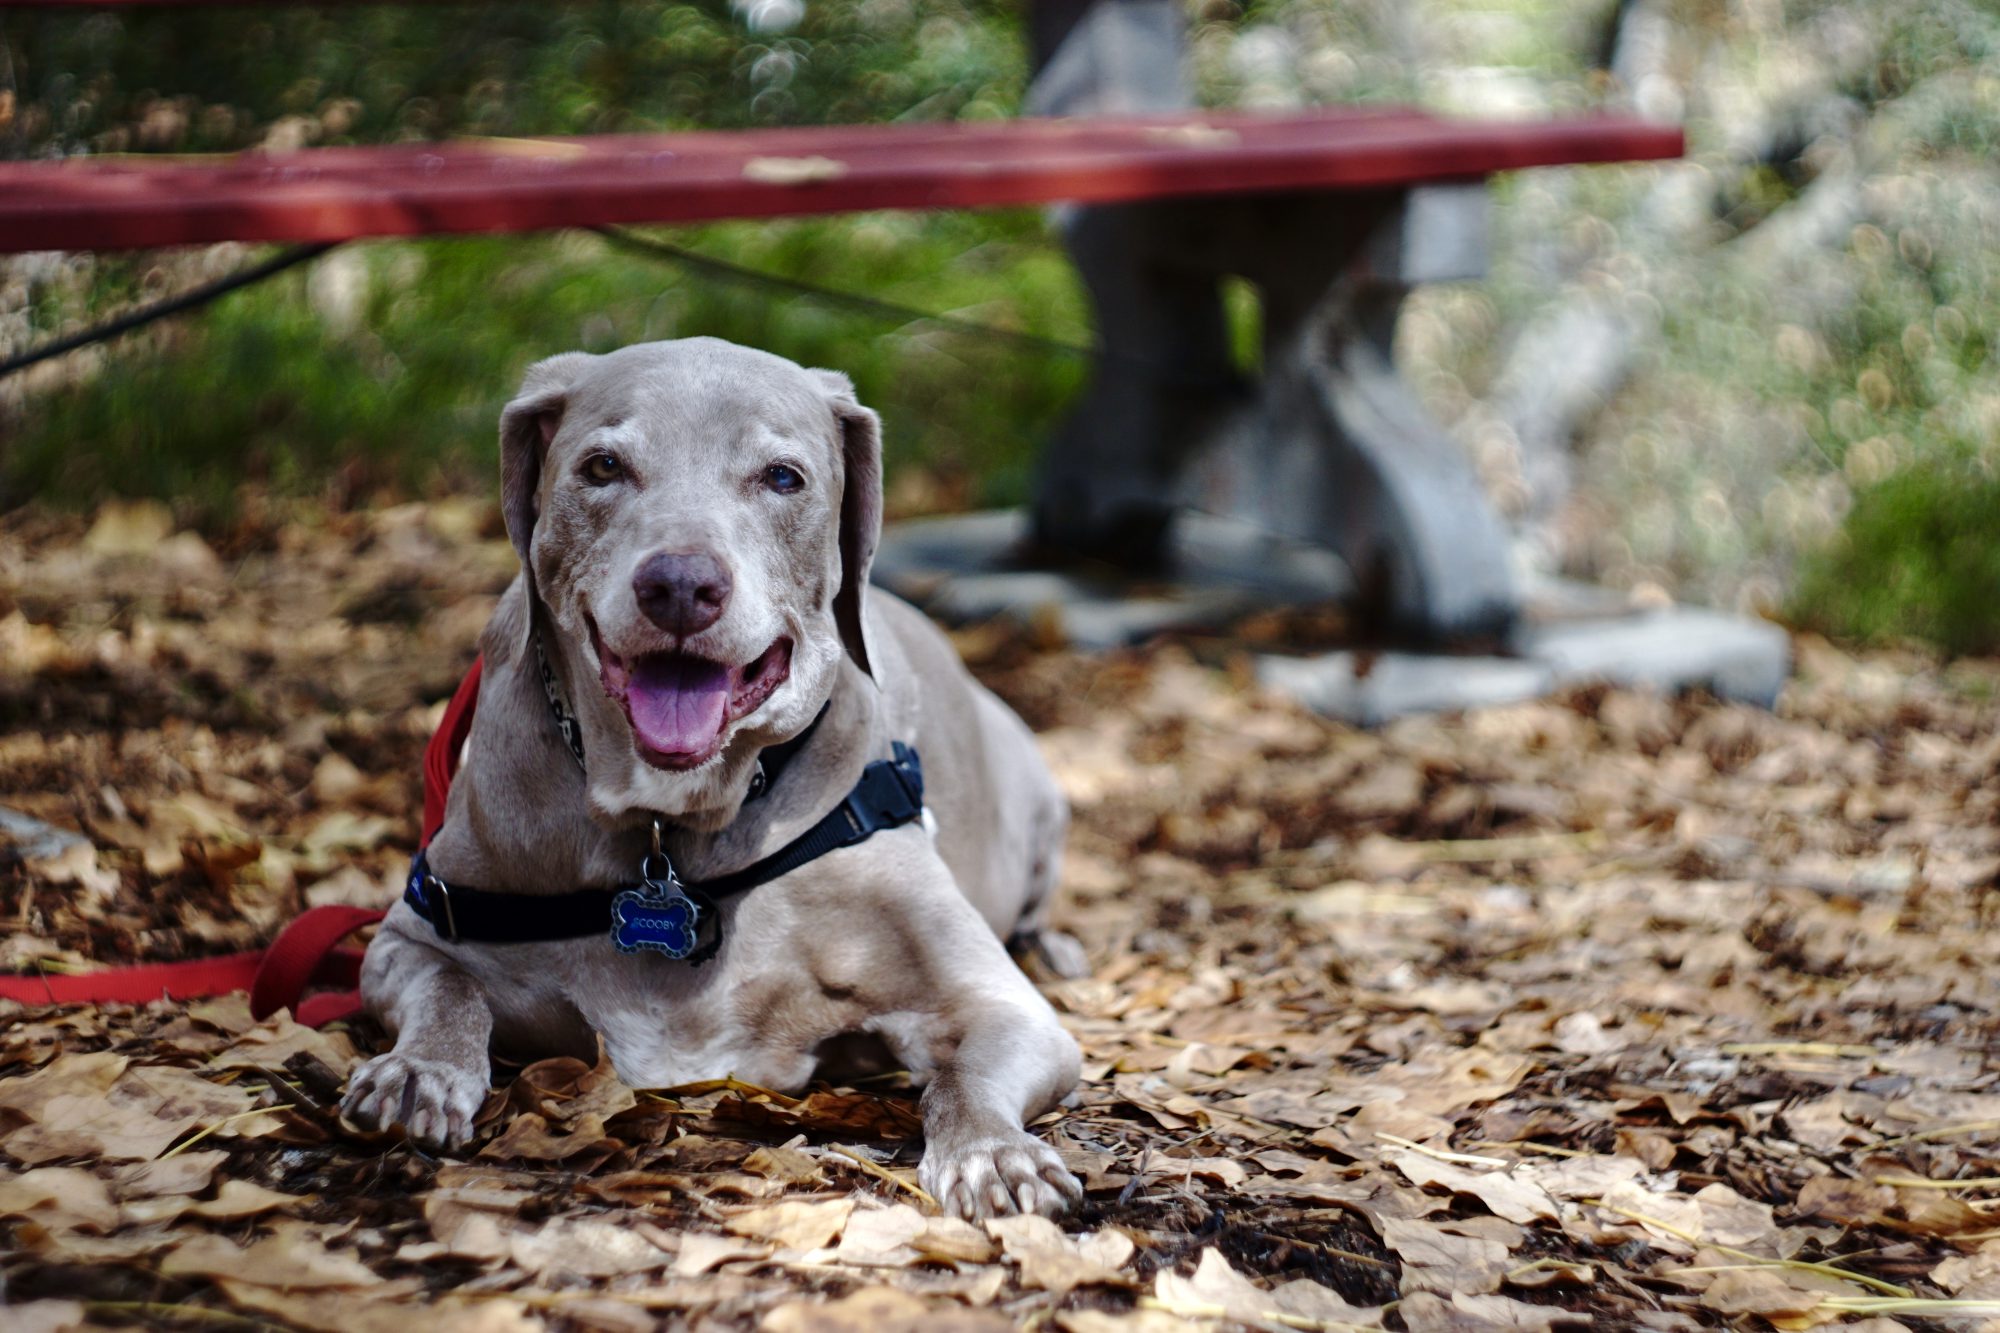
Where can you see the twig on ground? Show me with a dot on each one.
(881, 1172)
(1465, 1159)
(1757, 1260)
(207, 1130)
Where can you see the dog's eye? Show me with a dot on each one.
(602, 469)
(784, 478)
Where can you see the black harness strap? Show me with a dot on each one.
(889, 795)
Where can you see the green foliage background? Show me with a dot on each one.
(1811, 422)
(384, 366)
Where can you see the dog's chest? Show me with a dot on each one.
(664, 1024)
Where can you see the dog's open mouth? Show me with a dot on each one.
(679, 704)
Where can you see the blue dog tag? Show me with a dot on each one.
(657, 916)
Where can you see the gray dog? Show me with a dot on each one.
(721, 805)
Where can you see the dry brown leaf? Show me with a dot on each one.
(1051, 1261)
(881, 1310)
(1438, 1260)
(234, 1200)
(1465, 1312)
(795, 1224)
(63, 1198)
(1585, 1177)
(1973, 1276)
(1759, 1291)
(47, 1317)
(66, 1076)
(952, 1240)
(881, 1237)
(1215, 1284)
(528, 1138)
(568, 1248)
(786, 1165)
(136, 1118)
(183, 1173)
(1672, 1221)
(291, 1258)
(1839, 1199)
(386, 1307)
(847, 1114)
(1727, 1218)
(1516, 1197)
(566, 1090)
(701, 1252)
(278, 1039)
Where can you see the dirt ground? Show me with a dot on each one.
(1608, 1011)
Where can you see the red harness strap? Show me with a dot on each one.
(441, 755)
(303, 954)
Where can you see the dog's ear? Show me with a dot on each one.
(527, 424)
(860, 509)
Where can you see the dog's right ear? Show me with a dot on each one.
(527, 424)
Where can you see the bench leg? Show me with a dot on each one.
(1352, 460)
(1111, 476)
(1329, 446)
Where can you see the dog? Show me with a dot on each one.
(695, 522)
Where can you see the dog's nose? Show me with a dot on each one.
(683, 592)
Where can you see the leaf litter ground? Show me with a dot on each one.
(1608, 1011)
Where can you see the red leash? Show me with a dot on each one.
(303, 955)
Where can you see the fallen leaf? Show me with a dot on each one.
(700, 1252)
(63, 1198)
(880, 1310)
(795, 1224)
(291, 1258)
(1051, 1261)
(1518, 1198)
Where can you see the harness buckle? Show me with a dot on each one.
(889, 795)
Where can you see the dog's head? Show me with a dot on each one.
(696, 520)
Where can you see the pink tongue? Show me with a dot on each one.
(677, 702)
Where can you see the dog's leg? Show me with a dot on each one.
(1056, 951)
(1009, 1067)
(434, 1080)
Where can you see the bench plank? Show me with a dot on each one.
(511, 185)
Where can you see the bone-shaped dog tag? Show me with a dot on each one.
(658, 916)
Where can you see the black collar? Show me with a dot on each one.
(661, 911)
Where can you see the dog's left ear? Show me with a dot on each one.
(860, 508)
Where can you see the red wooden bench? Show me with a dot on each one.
(1331, 214)
(334, 194)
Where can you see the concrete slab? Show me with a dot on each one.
(1368, 689)
(960, 568)
(1670, 649)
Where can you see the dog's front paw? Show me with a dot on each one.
(998, 1175)
(433, 1100)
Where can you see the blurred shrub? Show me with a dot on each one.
(1917, 558)
(385, 366)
